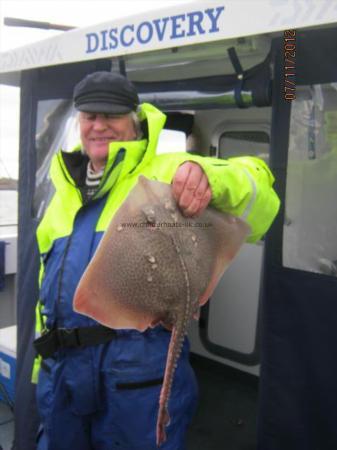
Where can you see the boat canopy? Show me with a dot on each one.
(170, 28)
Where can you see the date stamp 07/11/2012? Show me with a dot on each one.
(289, 45)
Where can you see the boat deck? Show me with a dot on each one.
(6, 427)
(226, 415)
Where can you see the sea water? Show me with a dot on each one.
(8, 212)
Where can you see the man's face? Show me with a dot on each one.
(97, 130)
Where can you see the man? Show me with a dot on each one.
(99, 388)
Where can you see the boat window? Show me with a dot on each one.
(8, 206)
(9, 154)
(171, 141)
(310, 232)
(56, 128)
(243, 143)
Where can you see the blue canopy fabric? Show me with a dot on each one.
(298, 388)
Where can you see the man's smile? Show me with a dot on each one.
(101, 139)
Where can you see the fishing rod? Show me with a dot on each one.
(16, 22)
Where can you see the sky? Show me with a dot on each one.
(66, 12)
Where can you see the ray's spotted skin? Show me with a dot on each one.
(171, 265)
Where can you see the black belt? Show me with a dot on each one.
(59, 338)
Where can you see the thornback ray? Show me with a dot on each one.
(155, 266)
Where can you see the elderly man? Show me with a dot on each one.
(98, 388)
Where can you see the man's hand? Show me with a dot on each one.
(191, 190)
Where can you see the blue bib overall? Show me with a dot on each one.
(103, 397)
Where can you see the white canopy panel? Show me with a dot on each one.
(192, 23)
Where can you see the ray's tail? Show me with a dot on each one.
(176, 343)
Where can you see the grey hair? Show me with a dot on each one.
(137, 124)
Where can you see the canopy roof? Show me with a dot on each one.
(188, 24)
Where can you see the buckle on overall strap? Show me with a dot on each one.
(68, 337)
(59, 338)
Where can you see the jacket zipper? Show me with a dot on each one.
(60, 280)
(119, 157)
(69, 178)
